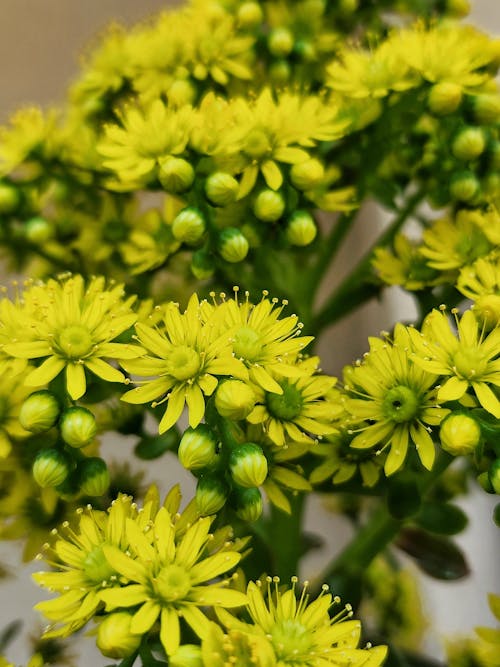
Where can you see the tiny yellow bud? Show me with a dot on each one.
(39, 412)
(444, 98)
(175, 174)
(269, 206)
(50, 468)
(248, 465)
(308, 174)
(280, 71)
(9, 198)
(234, 399)
(181, 92)
(38, 230)
(494, 475)
(249, 15)
(233, 246)
(469, 144)
(94, 476)
(211, 495)
(280, 42)
(198, 447)
(248, 503)
(78, 427)
(301, 230)
(189, 225)
(486, 109)
(460, 434)
(114, 637)
(221, 188)
(464, 186)
(457, 8)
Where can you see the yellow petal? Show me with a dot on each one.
(75, 380)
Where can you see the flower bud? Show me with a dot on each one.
(221, 188)
(114, 637)
(460, 434)
(301, 230)
(198, 447)
(188, 225)
(444, 98)
(486, 109)
(78, 427)
(464, 186)
(38, 230)
(248, 465)
(39, 412)
(94, 476)
(280, 42)
(469, 144)
(50, 468)
(279, 72)
(269, 206)
(202, 265)
(234, 399)
(457, 8)
(211, 495)
(187, 655)
(308, 174)
(348, 6)
(249, 15)
(233, 246)
(484, 482)
(248, 504)
(494, 475)
(175, 174)
(181, 92)
(9, 198)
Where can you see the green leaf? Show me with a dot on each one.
(152, 447)
(9, 633)
(437, 556)
(442, 518)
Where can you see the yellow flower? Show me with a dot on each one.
(73, 326)
(220, 648)
(405, 266)
(303, 409)
(398, 400)
(481, 283)
(468, 359)
(184, 359)
(302, 633)
(12, 395)
(168, 577)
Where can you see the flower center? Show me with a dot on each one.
(401, 404)
(183, 363)
(96, 567)
(75, 341)
(290, 640)
(287, 405)
(469, 363)
(257, 144)
(247, 344)
(173, 583)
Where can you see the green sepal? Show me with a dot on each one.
(435, 555)
(442, 518)
(152, 447)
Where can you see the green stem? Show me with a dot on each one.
(286, 538)
(354, 289)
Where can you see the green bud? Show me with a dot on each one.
(248, 465)
(280, 71)
(50, 468)
(301, 229)
(114, 637)
(78, 427)
(39, 412)
(94, 476)
(491, 185)
(249, 15)
(444, 98)
(248, 504)
(233, 246)
(181, 92)
(457, 8)
(469, 144)
(234, 400)
(308, 174)
(175, 174)
(9, 198)
(306, 51)
(69, 489)
(187, 655)
(189, 225)
(348, 6)
(38, 230)
(486, 109)
(484, 482)
(464, 186)
(269, 206)
(494, 475)
(221, 188)
(460, 434)
(211, 495)
(198, 447)
(280, 42)
(202, 265)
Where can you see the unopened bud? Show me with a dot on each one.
(198, 447)
(249, 15)
(486, 109)
(464, 186)
(39, 412)
(457, 8)
(444, 98)
(50, 468)
(248, 465)
(189, 225)
(460, 434)
(279, 72)
(269, 205)
(202, 265)
(248, 504)
(234, 400)
(280, 42)
(233, 246)
(181, 92)
(78, 427)
(494, 475)
(9, 198)
(211, 495)
(114, 637)
(221, 188)
(301, 230)
(38, 230)
(308, 174)
(94, 476)
(175, 174)
(469, 144)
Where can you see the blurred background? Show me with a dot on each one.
(40, 47)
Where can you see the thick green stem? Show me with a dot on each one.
(286, 538)
(354, 289)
